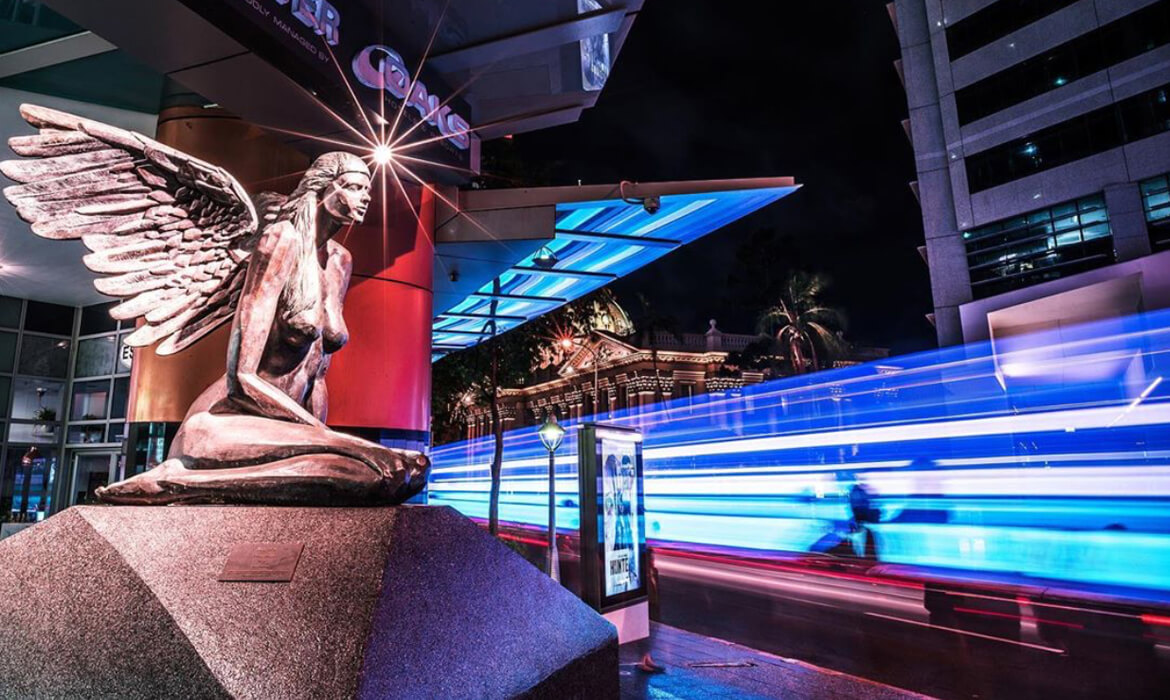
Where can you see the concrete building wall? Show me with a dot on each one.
(942, 144)
(1151, 273)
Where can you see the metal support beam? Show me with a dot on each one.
(520, 297)
(563, 273)
(498, 317)
(52, 52)
(595, 237)
(455, 331)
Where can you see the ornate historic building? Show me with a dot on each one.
(626, 374)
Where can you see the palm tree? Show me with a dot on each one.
(802, 324)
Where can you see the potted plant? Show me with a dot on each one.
(46, 418)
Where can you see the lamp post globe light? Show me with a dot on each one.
(551, 434)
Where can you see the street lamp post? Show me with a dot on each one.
(569, 344)
(551, 434)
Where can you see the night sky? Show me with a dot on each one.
(709, 90)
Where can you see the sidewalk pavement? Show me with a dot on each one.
(705, 667)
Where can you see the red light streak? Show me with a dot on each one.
(1161, 620)
(525, 540)
(771, 566)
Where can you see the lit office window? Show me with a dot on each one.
(1039, 246)
(1121, 40)
(1156, 202)
(996, 21)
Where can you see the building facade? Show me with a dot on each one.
(64, 389)
(1041, 133)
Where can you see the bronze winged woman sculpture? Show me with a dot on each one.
(182, 245)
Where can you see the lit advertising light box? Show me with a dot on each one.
(613, 523)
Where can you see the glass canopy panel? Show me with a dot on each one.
(596, 243)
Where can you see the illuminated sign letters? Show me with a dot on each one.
(318, 15)
(381, 68)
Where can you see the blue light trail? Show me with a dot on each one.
(1042, 457)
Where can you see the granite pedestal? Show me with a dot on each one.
(406, 602)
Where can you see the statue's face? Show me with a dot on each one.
(348, 197)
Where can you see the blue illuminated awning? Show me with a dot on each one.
(600, 233)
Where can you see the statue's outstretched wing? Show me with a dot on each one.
(170, 233)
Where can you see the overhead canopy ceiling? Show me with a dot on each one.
(519, 60)
(514, 65)
(596, 234)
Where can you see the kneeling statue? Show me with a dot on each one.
(186, 249)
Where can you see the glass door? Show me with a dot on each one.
(90, 469)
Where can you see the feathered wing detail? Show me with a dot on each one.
(171, 233)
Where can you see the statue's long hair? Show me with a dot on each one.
(301, 210)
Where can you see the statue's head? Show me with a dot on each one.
(341, 183)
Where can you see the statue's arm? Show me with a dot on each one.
(271, 264)
(337, 273)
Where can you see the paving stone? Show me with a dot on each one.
(769, 677)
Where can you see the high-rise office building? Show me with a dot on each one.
(1041, 132)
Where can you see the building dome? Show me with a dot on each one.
(608, 315)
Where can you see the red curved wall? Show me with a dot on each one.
(382, 377)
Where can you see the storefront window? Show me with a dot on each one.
(40, 433)
(86, 434)
(40, 411)
(42, 356)
(95, 357)
(90, 471)
(43, 317)
(125, 356)
(7, 351)
(10, 312)
(121, 396)
(96, 319)
(117, 432)
(91, 400)
(27, 483)
(37, 399)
